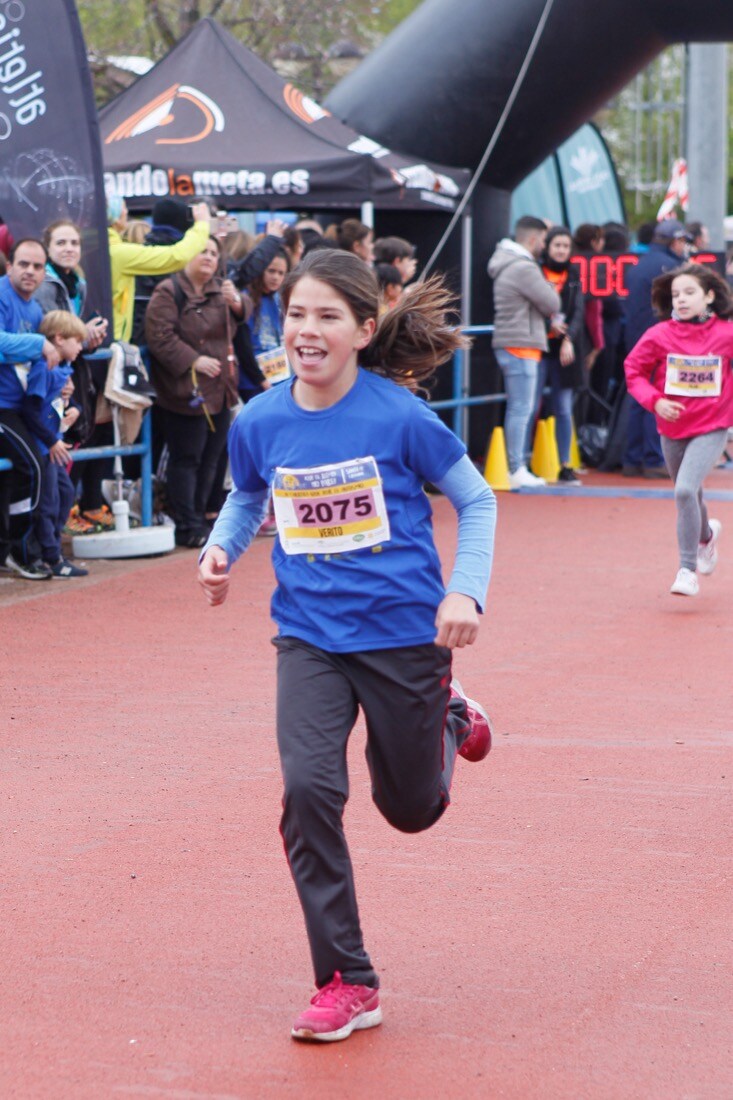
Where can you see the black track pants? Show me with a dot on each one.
(412, 740)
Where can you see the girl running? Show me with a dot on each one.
(681, 371)
(363, 617)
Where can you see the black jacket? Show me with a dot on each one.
(146, 284)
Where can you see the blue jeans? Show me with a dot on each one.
(520, 383)
(57, 499)
(562, 405)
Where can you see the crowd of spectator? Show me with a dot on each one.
(200, 298)
(561, 350)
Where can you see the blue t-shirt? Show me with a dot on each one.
(23, 376)
(266, 325)
(377, 597)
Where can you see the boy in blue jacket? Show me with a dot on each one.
(49, 416)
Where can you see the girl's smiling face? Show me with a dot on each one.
(272, 276)
(689, 298)
(322, 340)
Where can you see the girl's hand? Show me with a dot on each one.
(567, 352)
(213, 575)
(669, 410)
(456, 621)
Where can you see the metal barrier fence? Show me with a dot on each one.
(459, 402)
(461, 386)
(143, 449)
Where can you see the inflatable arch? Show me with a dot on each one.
(439, 83)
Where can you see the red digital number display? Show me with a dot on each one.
(604, 275)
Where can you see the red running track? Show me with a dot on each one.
(564, 932)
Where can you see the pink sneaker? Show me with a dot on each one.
(478, 743)
(336, 1010)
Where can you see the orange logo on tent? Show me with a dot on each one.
(306, 109)
(161, 112)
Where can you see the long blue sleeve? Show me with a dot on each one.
(475, 504)
(238, 523)
(22, 347)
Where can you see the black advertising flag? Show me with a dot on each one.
(50, 154)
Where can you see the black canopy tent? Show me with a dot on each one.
(212, 120)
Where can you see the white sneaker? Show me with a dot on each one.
(523, 479)
(685, 584)
(707, 552)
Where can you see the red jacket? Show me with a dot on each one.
(694, 356)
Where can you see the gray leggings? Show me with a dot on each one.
(689, 462)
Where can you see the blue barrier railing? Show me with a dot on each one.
(460, 399)
(143, 449)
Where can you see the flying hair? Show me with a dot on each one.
(412, 340)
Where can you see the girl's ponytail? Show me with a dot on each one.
(415, 337)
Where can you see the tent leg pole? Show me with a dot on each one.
(367, 214)
(466, 263)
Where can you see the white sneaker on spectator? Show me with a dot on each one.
(707, 552)
(685, 583)
(33, 571)
(523, 479)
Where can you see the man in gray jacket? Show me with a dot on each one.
(523, 300)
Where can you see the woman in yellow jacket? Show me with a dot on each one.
(128, 260)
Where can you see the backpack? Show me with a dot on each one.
(128, 388)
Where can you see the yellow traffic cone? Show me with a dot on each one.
(496, 471)
(545, 459)
(576, 462)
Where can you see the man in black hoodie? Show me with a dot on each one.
(171, 219)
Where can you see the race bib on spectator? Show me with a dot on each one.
(694, 375)
(330, 509)
(274, 364)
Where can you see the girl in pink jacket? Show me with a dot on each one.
(681, 371)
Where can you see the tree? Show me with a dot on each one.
(312, 33)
